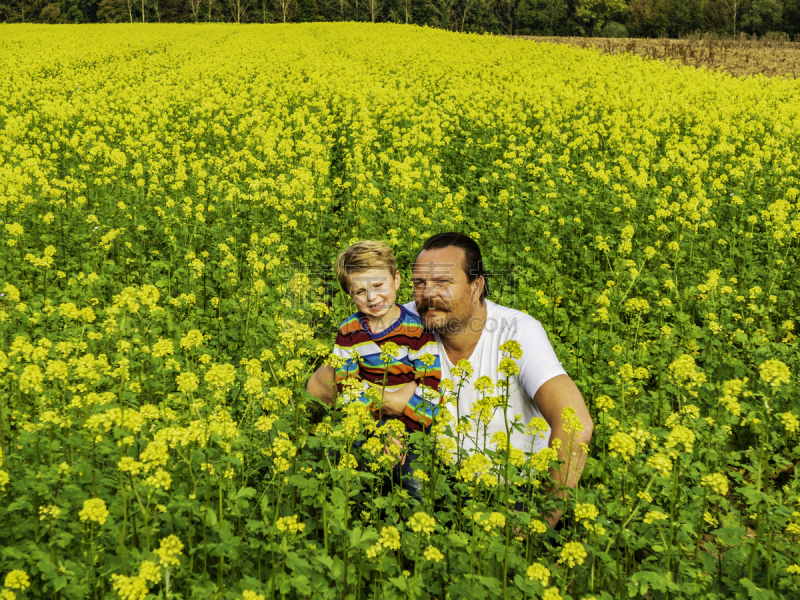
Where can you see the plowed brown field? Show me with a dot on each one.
(737, 56)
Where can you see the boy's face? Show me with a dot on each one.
(374, 291)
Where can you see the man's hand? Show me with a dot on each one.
(322, 384)
(394, 403)
(323, 387)
(552, 398)
(387, 450)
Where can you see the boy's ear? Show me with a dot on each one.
(397, 279)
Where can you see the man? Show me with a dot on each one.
(450, 297)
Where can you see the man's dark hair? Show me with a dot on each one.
(473, 262)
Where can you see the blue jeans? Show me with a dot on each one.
(401, 474)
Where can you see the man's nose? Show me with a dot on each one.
(429, 290)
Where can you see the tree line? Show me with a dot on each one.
(608, 18)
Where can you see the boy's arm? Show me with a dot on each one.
(424, 402)
(323, 386)
(347, 367)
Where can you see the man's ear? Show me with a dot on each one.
(477, 291)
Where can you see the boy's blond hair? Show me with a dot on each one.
(362, 256)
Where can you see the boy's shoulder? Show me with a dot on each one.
(410, 325)
(407, 327)
(351, 324)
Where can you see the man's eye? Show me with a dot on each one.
(419, 283)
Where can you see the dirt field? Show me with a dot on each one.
(740, 56)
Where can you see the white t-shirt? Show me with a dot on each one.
(537, 365)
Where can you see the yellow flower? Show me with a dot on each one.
(790, 422)
(716, 482)
(290, 525)
(623, 444)
(188, 382)
(17, 580)
(661, 463)
(508, 367)
(94, 509)
(463, 369)
(538, 526)
(220, 375)
(495, 519)
(655, 515)
(774, 372)
(389, 352)
(169, 550)
(586, 511)
(542, 459)
(427, 359)
(433, 554)
(161, 479)
(681, 434)
(130, 588)
(573, 553)
(685, 373)
(150, 571)
(537, 426)
(604, 403)
(390, 538)
(539, 572)
(49, 512)
(422, 522)
(512, 348)
(572, 424)
(163, 347)
(551, 594)
(31, 379)
(192, 339)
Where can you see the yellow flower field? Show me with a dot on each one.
(172, 198)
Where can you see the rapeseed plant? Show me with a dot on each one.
(168, 224)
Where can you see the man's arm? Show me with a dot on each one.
(322, 385)
(552, 398)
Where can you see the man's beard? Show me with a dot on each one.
(445, 323)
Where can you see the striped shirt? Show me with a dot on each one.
(366, 364)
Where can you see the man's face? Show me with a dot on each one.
(445, 298)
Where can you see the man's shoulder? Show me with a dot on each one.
(411, 307)
(507, 320)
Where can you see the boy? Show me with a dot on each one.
(368, 273)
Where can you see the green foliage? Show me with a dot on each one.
(763, 16)
(681, 17)
(524, 17)
(170, 216)
(543, 17)
(612, 29)
(596, 13)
